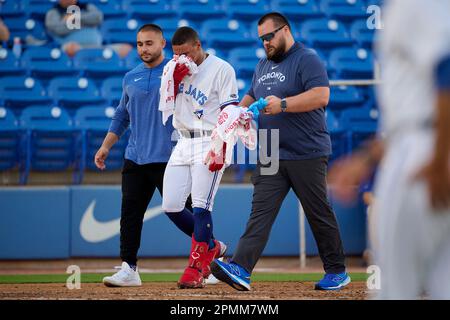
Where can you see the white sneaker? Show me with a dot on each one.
(211, 279)
(125, 277)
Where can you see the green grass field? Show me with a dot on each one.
(164, 277)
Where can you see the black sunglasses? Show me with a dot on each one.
(269, 36)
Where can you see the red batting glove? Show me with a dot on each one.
(217, 160)
(181, 70)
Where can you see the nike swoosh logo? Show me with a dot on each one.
(274, 67)
(137, 79)
(95, 231)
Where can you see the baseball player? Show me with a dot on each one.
(412, 191)
(147, 152)
(198, 101)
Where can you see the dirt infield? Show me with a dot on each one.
(261, 290)
(169, 291)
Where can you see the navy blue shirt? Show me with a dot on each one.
(150, 141)
(303, 135)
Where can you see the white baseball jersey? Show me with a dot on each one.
(201, 95)
(415, 38)
(197, 107)
(412, 246)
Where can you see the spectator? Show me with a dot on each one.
(87, 36)
(4, 31)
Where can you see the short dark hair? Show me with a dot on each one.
(183, 35)
(277, 18)
(151, 27)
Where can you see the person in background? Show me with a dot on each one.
(87, 36)
(4, 31)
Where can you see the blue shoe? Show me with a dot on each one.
(333, 281)
(232, 274)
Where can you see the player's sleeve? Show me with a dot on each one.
(227, 86)
(121, 119)
(312, 72)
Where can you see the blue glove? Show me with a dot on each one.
(256, 106)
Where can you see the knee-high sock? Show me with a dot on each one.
(203, 226)
(184, 220)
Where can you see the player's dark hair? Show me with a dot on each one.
(184, 35)
(277, 18)
(151, 27)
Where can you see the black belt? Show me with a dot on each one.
(195, 133)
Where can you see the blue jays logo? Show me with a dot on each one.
(199, 113)
(198, 96)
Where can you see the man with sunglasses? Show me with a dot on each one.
(294, 82)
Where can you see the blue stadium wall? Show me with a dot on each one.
(67, 222)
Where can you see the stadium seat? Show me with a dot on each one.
(338, 135)
(198, 10)
(10, 140)
(110, 8)
(246, 10)
(111, 90)
(45, 62)
(374, 2)
(351, 63)
(93, 123)
(243, 86)
(324, 34)
(170, 25)
(224, 33)
(99, 63)
(148, 9)
(25, 27)
(38, 8)
(72, 92)
(216, 52)
(50, 140)
(120, 30)
(132, 59)
(9, 65)
(11, 8)
(344, 10)
(361, 34)
(297, 10)
(361, 124)
(342, 97)
(244, 60)
(20, 91)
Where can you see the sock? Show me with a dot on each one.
(132, 265)
(184, 220)
(203, 226)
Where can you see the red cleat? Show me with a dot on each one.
(192, 276)
(214, 253)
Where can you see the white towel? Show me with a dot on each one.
(166, 91)
(234, 123)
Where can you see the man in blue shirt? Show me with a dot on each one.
(294, 82)
(148, 150)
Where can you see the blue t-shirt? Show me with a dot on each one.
(303, 135)
(150, 141)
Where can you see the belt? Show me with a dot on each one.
(190, 134)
